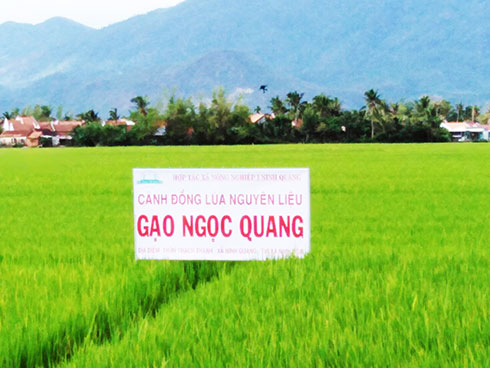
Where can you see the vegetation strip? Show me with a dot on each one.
(179, 121)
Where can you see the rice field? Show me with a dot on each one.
(398, 275)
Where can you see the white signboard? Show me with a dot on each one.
(221, 214)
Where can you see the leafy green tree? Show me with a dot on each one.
(180, 117)
(40, 113)
(220, 115)
(203, 134)
(277, 130)
(311, 121)
(46, 112)
(113, 135)
(239, 131)
(88, 135)
(148, 120)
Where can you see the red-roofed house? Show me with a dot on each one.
(33, 139)
(63, 131)
(124, 122)
(11, 138)
(297, 123)
(258, 118)
(25, 130)
(19, 131)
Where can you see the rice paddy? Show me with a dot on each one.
(398, 274)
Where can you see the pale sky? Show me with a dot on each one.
(93, 13)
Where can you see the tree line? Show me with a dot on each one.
(290, 119)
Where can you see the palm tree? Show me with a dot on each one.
(89, 116)
(425, 110)
(471, 112)
(141, 104)
(443, 108)
(422, 105)
(374, 107)
(460, 110)
(277, 106)
(335, 107)
(321, 103)
(293, 99)
(113, 115)
(326, 106)
(394, 112)
(394, 108)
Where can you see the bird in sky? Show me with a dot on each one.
(263, 88)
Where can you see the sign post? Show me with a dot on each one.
(221, 214)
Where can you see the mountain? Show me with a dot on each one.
(29, 53)
(341, 48)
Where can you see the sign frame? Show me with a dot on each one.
(281, 226)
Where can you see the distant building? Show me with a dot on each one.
(63, 131)
(27, 131)
(259, 118)
(467, 131)
(120, 122)
(297, 123)
(20, 131)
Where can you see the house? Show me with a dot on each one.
(457, 130)
(20, 131)
(63, 130)
(466, 131)
(486, 131)
(476, 132)
(48, 132)
(259, 118)
(12, 138)
(27, 131)
(160, 128)
(297, 123)
(34, 139)
(127, 123)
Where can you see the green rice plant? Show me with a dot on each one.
(67, 266)
(398, 273)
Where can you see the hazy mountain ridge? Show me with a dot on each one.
(341, 48)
